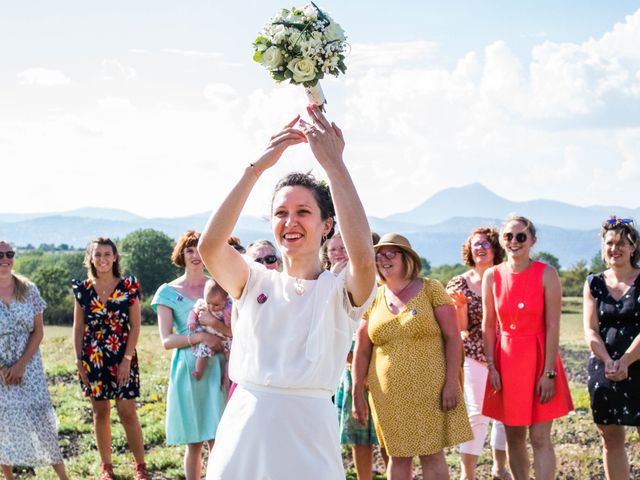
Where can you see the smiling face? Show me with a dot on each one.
(103, 258)
(6, 263)
(296, 221)
(510, 236)
(616, 249)
(336, 250)
(263, 253)
(481, 250)
(390, 268)
(192, 258)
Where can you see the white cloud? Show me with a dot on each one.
(387, 54)
(138, 50)
(114, 70)
(44, 77)
(193, 53)
(220, 93)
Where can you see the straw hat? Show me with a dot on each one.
(400, 242)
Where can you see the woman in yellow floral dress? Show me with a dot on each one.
(413, 357)
(106, 326)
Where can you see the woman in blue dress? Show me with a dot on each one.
(194, 407)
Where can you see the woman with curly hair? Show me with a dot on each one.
(480, 251)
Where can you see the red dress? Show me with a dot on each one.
(520, 349)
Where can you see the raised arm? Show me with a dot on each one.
(327, 144)
(223, 262)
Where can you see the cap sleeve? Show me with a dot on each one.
(163, 296)
(457, 283)
(439, 295)
(79, 288)
(596, 284)
(133, 288)
(36, 300)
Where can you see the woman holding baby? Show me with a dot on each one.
(195, 398)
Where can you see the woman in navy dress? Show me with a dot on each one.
(612, 331)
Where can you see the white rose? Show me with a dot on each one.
(304, 70)
(279, 33)
(334, 32)
(272, 58)
(310, 12)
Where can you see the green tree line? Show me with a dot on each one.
(144, 253)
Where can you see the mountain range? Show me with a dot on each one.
(437, 227)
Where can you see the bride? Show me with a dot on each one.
(294, 327)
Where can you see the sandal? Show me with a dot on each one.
(106, 471)
(503, 475)
(141, 472)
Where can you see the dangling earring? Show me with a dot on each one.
(324, 239)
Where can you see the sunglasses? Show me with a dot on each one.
(389, 254)
(520, 237)
(9, 254)
(269, 259)
(486, 245)
(618, 221)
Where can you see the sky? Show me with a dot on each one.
(156, 106)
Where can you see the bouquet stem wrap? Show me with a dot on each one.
(316, 95)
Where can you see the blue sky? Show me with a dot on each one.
(156, 106)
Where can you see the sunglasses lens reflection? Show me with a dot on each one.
(7, 254)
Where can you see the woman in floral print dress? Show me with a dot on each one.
(106, 326)
(28, 433)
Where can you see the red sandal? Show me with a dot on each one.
(141, 472)
(106, 471)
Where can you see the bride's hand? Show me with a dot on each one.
(279, 142)
(325, 139)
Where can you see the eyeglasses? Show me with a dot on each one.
(337, 249)
(520, 237)
(9, 254)
(268, 259)
(390, 254)
(486, 245)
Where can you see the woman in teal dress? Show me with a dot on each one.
(194, 407)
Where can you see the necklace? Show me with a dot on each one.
(298, 285)
(521, 304)
(397, 295)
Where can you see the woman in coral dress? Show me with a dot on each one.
(527, 386)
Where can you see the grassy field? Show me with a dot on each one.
(575, 436)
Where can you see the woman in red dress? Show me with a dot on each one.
(527, 386)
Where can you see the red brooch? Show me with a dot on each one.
(262, 298)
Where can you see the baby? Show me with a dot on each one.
(217, 303)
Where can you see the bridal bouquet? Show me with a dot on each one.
(302, 45)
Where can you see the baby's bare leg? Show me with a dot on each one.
(201, 364)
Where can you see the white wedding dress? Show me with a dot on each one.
(287, 356)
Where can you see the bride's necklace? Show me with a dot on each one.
(298, 286)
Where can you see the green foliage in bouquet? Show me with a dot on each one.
(301, 45)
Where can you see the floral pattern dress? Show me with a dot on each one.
(28, 430)
(106, 331)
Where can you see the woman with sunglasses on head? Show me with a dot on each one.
(294, 327)
(27, 420)
(480, 251)
(612, 331)
(194, 405)
(106, 328)
(527, 387)
(412, 359)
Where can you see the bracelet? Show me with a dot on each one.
(128, 357)
(189, 339)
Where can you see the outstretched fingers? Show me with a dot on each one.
(318, 117)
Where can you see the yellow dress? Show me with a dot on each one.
(407, 374)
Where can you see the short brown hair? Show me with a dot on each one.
(91, 268)
(494, 238)
(528, 224)
(188, 239)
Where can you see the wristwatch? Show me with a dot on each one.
(550, 374)
(128, 357)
